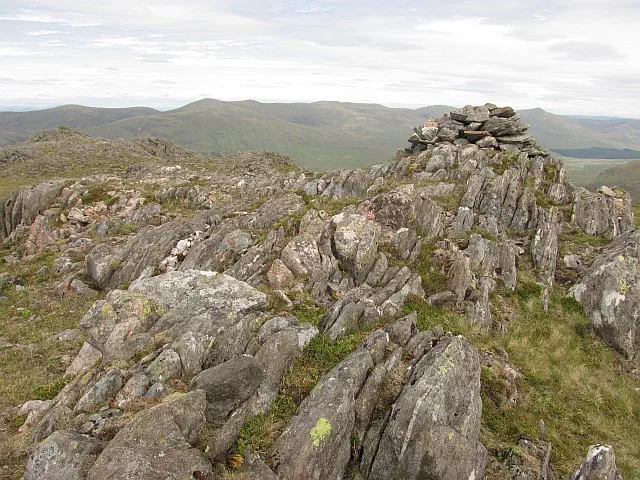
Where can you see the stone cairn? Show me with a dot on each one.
(488, 126)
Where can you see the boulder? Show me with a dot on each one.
(503, 112)
(87, 357)
(487, 142)
(599, 464)
(100, 264)
(64, 455)
(301, 256)
(101, 392)
(165, 367)
(136, 387)
(501, 127)
(279, 276)
(39, 236)
(118, 326)
(356, 244)
(157, 442)
(229, 384)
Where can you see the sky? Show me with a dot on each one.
(566, 56)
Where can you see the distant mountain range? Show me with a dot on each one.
(320, 135)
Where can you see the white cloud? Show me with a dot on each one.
(565, 56)
(45, 32)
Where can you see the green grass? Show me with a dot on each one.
(507, 159)
(333, 206)
(318, 358)
(307, 311)
(434, 279)
(259, 432)
(97, 193)
(526, 290)
(126, 228)
(34, 369)
(543, 200)
(581, 238)
(430, 316)
(571, 380)
(451, 202)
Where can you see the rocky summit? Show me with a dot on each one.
(437, 316)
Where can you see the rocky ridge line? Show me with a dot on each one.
(186, 307)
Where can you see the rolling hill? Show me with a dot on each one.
(18, 126)
(320, 135)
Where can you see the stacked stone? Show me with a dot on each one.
(488, 126)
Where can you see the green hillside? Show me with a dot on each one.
(320, 135)
(626, 176)
(18, 126)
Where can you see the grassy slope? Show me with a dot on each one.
(625, 130)
(626, 176)
(561, 131)
(322, 135)
(585, 171)
(33, 369)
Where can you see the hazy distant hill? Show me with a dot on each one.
(18, 126)
(318, 135)
(571, 132)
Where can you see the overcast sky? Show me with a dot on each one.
(566, 56)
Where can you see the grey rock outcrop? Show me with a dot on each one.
(158, 441)
(202, 278)
(434, 427)
(24, 206)
(599, 464)
(609, 290)
(64, 455)
(606, 213)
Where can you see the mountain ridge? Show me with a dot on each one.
(320, 135)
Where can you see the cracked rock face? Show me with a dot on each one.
(610, 293)
(607, 212)
(434, 428)
(157, 440)
(356, 244)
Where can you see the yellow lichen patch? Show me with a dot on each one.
(234, 461)
(321, 431)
